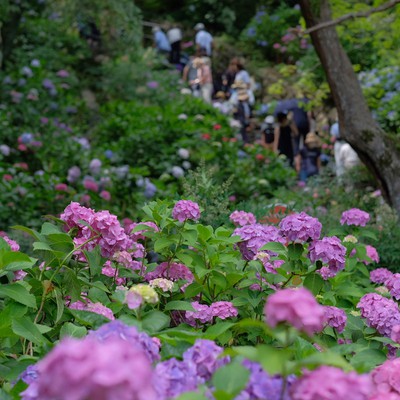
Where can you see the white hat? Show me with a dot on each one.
(156, 29)
(198, 27)
(269, 119)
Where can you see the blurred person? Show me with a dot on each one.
(241, 74)
(308, 162)
(240, 86)
(203, 40)
(203, 79)
(243, 114)
(174, 35)
(285, 133)
(161, 42)
(228, 77)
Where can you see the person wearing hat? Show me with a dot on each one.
(268, 132)
(161, 42)
(243, 113)
(308, 162)
(174, 35)
(203, 39)
(240, 86)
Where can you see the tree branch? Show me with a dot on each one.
(359, 14)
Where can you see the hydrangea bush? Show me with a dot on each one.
(168, 308)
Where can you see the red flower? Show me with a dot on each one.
(7, 177)
(206, 136)
(225, 139)
(260, 157)
(217, 127)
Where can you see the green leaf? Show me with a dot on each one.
(25, 328)
(191, 396)
(314, 283)
(71, 330)
(60, 303)
(48, 228)
(230, 379)
(61, 242)
(18, 292)
(295, 251)
(205, 232)
(275, 247)
(325, 358)
(162, 243)
(31, 232)
(367, 359)
(218, 329)
(154, 321)
(72, 285)
(93, 257)
(179, 305)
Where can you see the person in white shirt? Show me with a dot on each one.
(204, 40)
(174, 35)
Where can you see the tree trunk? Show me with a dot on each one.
(377, 149)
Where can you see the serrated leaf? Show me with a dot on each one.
(179, 305)
(60, 303)
(218, 329)
(154, 321)
(72, 285)
(19, 293)
(71, 330)
(25, 328)
(276, 247)
(314, 283)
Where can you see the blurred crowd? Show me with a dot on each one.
(290, 130)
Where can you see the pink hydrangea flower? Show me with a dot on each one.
(381, 313)
(106, 195)
(380, 275)
(330, 251)
(354, 216)
(300, 227)
(61, 187)
(186, 209)
(395, 335)
(386, 379)
(14, 246)
(255, 236)
(372, 253)
(335, 317)
(241, 218)
(296, 307)
(202, 313)
(74, 213)
(93, 369)
(223, 309)
(172, 271)
(393, 285)
(331, 383)
(96, 308)
(90, 185)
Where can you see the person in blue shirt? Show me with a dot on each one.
(161, 41)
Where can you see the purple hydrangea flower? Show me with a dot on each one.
(296, 307)
(330, 251)
(173, 377)
(141, 340)
(255, 236)
(335, 317)
(172, 271)
(393, 285)
(380, 275)
(202, 313)
(204, 354)
(223, 309)
(386, 378)
(263, 386)
(354, 216)
(381, 313)
(242, 218)
(186, 209)
(300, 227)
